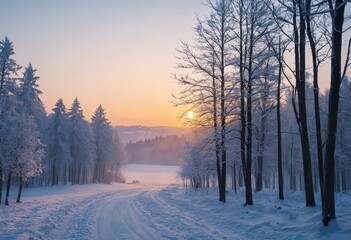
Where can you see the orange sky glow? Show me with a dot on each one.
(117, 53)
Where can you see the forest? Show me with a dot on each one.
(252, 85)
(168, 150)
(40, 149)
(252, 78)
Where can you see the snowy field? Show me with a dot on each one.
(142, 211)
(151, 174)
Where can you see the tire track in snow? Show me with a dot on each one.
(173, 221)
(133, 213)
(81, 218)
(120, 218)
(62, 217)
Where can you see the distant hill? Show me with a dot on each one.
(160, 150)
(139, 133)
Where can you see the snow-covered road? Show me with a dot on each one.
(112, 212)
(120, 218)
(131, 211)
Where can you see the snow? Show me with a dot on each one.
(143, 211)
(151, 174)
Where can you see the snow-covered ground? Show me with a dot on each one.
(141, 211)
(151, 174)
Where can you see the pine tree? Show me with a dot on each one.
(58, 154)
(103, 143)
(29, 95)
(8, 68)
(82, 149)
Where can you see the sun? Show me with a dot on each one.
(190, 115)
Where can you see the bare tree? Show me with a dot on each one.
(279, 131)
(207, 90)
(253, 21)
(300, 49)
(319, 39)
(264, 105)
(295, 10)
(337, 14)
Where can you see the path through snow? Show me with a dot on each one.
(112, 212)
(128, 211)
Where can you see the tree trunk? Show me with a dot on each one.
(337, 182)
(343, 180)
(316, 101)
(20, 190)
(215, 128)
(64, 175)
(234, 178)
(279, 132)
(70, 174)
(306, 155)
(8, 188)
(53, 180)
(79, 175)
(223, 148)
(232, 175)
(223, 119)
(1, 176)
(95, 173)
(315, 177)
(2, 76)
(248, 187)
(240, 176)
(259, 179)
(243, 167)
(261, 140)
(207, 181)
(333, 106)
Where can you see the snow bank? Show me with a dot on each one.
(268, 218)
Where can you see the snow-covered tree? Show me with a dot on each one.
(8, 68)
(118, 158)
(82, 147)
(58, 149)
(21, 149)
(29, 96)
(207, 89)
(103, 142)
(199, 165)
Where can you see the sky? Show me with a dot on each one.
(118, 53)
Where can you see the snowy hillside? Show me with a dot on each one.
(140, 211)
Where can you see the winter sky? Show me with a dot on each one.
(120, 53)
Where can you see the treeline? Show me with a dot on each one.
(247, 79)
(160, 150)
(59, 148)
(199, 168)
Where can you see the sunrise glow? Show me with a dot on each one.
(190, 115)
(85, 49)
